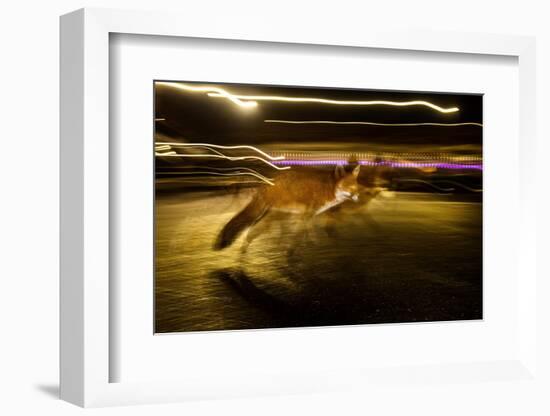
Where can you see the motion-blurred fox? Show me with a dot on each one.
(308, 193)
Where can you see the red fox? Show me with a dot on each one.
(300, 192)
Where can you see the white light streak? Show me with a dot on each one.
(260, 177)
(233, 168)
(217, 146)
(250, 101)
(333, 102)
(212, 90)
(368, 123)
(198, 180)
(231, 158)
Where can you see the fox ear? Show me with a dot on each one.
(356, 171)
(339, 172)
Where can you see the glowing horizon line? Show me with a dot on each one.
(218, 146)
(372, 123)
(417, 165)
(253, 98)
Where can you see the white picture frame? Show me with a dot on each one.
(85, 164)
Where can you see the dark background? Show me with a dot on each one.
(194, 116)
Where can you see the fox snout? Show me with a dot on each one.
(346, 195)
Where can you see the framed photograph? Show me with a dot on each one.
(294, 207)
(270, 212)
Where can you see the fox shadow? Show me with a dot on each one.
(310, 305)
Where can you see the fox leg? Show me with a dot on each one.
(330, 224)
(310, 228)
(366, 217)
(301, 233)
(255, 230)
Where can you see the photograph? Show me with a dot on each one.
(306, 206)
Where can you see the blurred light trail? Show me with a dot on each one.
(438, 165)
(461, 185)
(201, 180)
(430, 184)
(372, 123)
(219, 91)
(161, 148)
(412, 157)
(250, 101)
(260, 177)
(235, 169)
(217, 146)
(333, 102)
(231, 158)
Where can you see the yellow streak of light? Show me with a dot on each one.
(218, 146)
(371, 123)
(250, 100)
(231, 158)
(220, 91)
(333, 102)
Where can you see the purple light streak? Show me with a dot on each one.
(438, 165)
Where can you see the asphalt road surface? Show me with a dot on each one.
(405, 257)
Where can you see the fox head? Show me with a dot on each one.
(347, 186)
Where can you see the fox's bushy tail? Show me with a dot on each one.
(251, 214)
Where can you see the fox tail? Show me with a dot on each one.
(251, 214)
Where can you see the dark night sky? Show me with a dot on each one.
(193, 116)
